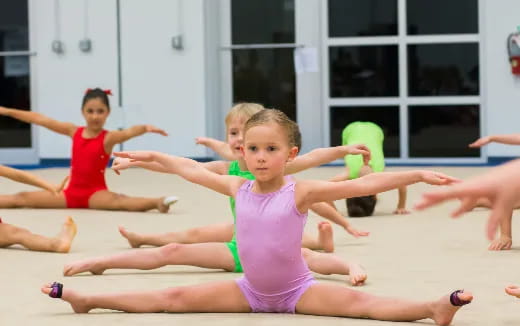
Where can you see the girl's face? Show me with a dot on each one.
(266, 151)
(95, 113)
(235, 134)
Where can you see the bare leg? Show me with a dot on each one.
(210, 233)
(324, 241)
(108, 200)
(513, 290)
(505, 240)
(33, 199)
(11, 235)
(206, 255)
(327, 264)
(224, 296)
(330, 300)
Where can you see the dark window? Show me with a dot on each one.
(363, 71)
(267, 77)
(14, 92)
(443, 69)
(362, 18)
(262, 21)
(442, 16)
(14, 35)
(387, 117)
(443, 130)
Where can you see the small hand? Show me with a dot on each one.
(360, 149)
(480, 142)
(437, 178)
(143, 156)
(201, 140)
(401, 211)
(150, 128)
(356, 233)
(502, 243)
(120, 163)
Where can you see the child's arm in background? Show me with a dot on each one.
(330, 213)
(30, 179)
(401, 203)
(311, 191)
(188, 169)
(119, 164)
(219, 147)
(120, 136)
(511, 139)
(64, 128)
(321, 156)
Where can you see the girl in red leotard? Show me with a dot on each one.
(91, 149)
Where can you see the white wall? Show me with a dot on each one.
(60, 81)
(501, 91)
(160, 86)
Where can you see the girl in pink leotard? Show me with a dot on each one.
(271, 213)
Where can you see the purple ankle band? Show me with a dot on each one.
(456, 301)
(57, 289)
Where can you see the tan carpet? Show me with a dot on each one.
(418, 256)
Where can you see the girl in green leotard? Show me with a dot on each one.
(371, 135)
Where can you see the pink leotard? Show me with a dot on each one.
(269, 232)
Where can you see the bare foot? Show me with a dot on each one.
(444, 311)
(133, 238)
(357, 274)
(66, 235)
(87, 265)
(513, 290)
(77, 301)
(502, 243)
(165, 202)
(325, 237)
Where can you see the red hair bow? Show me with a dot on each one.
(106, 91)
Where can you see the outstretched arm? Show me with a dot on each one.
(500, 185)
(64, 128)
(30, 179)
(316, 191)
(219, 147)
(120, 136)
(119, 164)
(326, 211)
(188, 169)
(511, 139)
(321, 156)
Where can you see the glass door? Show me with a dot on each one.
(260, 41)
(16, 138)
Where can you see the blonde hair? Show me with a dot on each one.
(243, 110)
(265, 116)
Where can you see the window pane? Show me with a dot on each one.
(387, 117)
(443, 131)
(14, 35)
(363, 71)
(262, 21)
(265, 76)
(14, 92)
(443, 69)
(362, 18)
(442, 16)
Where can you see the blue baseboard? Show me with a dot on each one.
(65, 163)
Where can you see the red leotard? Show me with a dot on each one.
(87, 169)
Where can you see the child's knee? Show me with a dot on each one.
(175, 299)
(170, 250)
(20, 199)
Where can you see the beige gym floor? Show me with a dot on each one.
(418, 256)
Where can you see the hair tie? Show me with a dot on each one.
(88, 90)
(108, 91)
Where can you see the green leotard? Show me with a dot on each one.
(234, 169)
(372, 136)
